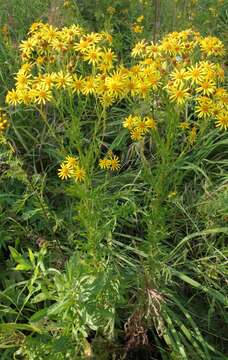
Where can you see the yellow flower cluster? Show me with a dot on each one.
(138, 126)
(70, 168)
(3, 122)
(110, 162)
(84, 64)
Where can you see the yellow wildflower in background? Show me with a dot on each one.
(138, 29)
(184, 125)
(3, 122)
(211, 45)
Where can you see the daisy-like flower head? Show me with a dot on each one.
(150, 123)
(206, 87)
(110, 162)
(211, 45)
(64, 172)
(114, 163)
(13, 97)
(178, 76)
(89, 85)
(139, 49)
(130, 122)
(115, 83)
(136, 134)
(93, 54)
(41, 94)
(71, 161)
(204, 108)
(77, 84)
(141, 126)
(78, 174)
(108, 56)
(222, 120)
(178, 94)
(82, 46)
(184, 125)
(104, 163)
(195, 74)
(62, 80)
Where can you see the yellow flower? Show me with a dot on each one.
(130, 122)
(3, 122)
(92, 55)
(211, 45)
(48, 80)
(184, 125)
(77, 84)
(138, 29)
(178, 94)
(140, 19)
(93, 38)
(64, 172)
(106, 36)
(62, 80)
(110, 162)
(115, 83)
(131, 86)
(136, 134)
(207, 87)
(139, 48)
(222, 95)
(195, 74)
(141, 126)
(204, 108)
(104, 163)
(82, 46)
(89, 85)
(108, 56)
(22, 79)
(153, 50)
(150, 123)
(42, 94)
(114, 163)
(222, 120)
(12, 97)
(178, 76)
(71, 161)
(78, 174)
(27, 46)
(144, 88)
